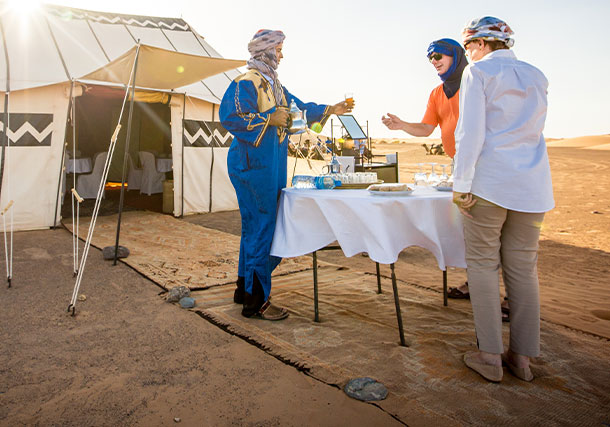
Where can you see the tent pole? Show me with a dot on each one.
(211, 163)
(63, 156)
(182, 159)
(129, 120)
(6, 141)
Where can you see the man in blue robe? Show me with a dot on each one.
(255, 110)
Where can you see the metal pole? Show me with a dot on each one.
(332, 138)
(63, 154)
(368, 140)
(182, 158)
(5, 140)
(378, 279)
(129, 120)
(315, 287)
(445, 288)
(397, 303)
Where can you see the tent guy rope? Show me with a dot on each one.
(100, 192)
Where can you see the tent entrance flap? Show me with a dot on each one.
(97, 117)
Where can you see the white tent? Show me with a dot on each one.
(56, 51)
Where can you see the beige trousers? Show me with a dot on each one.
(497, 237)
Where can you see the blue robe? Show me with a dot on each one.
(257, 162)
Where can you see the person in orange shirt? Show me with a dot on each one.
(449, 59)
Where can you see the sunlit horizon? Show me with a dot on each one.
(377, 51)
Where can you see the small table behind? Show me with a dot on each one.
(164, 164)
(380, 225)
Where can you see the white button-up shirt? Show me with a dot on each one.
(501, 153)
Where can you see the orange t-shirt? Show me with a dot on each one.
(443, 112)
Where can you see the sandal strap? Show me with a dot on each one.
(264, 307)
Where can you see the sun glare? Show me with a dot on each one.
(24, 6)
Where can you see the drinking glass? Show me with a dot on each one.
(444, 176)
(420, 177)
(433, 178)
(349, 99)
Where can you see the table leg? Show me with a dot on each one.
(378, 279)
(445, 288)
(397, 303)
(315, 287)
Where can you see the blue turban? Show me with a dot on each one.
(452, 77)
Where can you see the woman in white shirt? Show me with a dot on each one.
(502, 184)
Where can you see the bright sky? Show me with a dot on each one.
(376, 49)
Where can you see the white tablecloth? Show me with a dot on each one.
(382, 226)
(81, 165)
(164, 164)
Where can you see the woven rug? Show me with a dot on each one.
(175, 253)
(358, 333)
(428, 381)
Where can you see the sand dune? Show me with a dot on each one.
(596, 142)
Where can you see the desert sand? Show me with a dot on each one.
(129, 358)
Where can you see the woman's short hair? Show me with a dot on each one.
(495, 44)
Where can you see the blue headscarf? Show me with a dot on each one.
(453, 76)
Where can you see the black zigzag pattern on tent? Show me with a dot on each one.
(205, 134)
(67, 13)
(28, 129)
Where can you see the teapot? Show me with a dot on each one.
(333, 167)
(298, 119)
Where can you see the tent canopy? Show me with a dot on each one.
(161, 68)
(54, 44)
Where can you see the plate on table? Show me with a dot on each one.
(442, 188)
(390, 189)
(390, 193)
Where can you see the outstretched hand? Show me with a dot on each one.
(342, 108)
(392, 122)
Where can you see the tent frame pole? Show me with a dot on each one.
(128, 137)
(211, 200)
(63, 154)
(5, 140)
(182, 159)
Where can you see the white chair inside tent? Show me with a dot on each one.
(134, 178)
(88, 185)
(152, 180)
(347, 163)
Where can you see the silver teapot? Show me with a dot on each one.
(298, 119)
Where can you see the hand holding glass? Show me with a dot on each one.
(349, 100)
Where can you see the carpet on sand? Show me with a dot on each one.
(358, 333)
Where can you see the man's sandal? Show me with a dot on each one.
(269, 311)
(505, 314)
(455, 293)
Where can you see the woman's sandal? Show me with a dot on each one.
(269, 311)
(489, 372)
(524, 374)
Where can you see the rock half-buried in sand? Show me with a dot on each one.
(366, 389)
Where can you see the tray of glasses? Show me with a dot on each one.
(356, 186)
